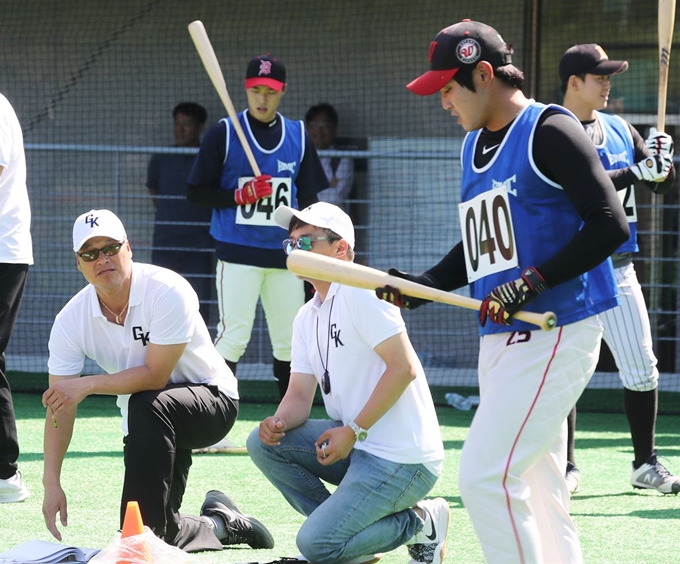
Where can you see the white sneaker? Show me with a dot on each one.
(225, 445)
(13, 489)
(653, 475)
(573, 478)
(429, 545)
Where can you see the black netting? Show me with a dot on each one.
(94, 85)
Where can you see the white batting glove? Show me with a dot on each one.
(659, 143)
(653, 169)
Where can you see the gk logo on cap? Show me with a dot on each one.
(468, 51)
(91, 220)
(265, 67)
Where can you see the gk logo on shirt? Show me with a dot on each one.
(335, 335)
(139, 335)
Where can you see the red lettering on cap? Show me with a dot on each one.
(265, 68)
(433, 46)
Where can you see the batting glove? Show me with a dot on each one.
(392, 295)
(653, 169)
(660, 143)
(254, 190)
(509, 298)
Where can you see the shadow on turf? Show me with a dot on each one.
(37, 456)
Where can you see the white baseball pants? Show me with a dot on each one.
(512, 463)
(239, 287)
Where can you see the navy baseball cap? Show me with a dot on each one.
(266, 70)
(588, 58)
(460, 45)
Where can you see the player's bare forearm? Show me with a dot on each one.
(296, 405)
(56, 441)
(400, 370)
(152, 375)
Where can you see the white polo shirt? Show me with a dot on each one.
(163, 311)
(340, 334)
(15, 212)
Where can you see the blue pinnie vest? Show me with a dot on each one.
(617, 151)
(544, 220)
(252, 225)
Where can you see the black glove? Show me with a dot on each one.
(394, 296)
(509, 298)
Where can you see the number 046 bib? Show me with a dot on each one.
(488, 235)
(262, 211)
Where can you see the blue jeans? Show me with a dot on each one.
(369, 512)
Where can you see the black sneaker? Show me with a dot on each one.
(240, 528)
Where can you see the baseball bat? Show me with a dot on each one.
(212, 67)
(665, 23)
(320, 267)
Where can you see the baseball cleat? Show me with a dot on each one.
(13, 489)
(573, 478)
(652, 475)
(239, 528)
(429, 545)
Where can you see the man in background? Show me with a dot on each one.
(321, 122)
(181, 238)
(16, 254)
(585, 72)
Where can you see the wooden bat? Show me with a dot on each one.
(665, 23)
(320, 267)
(212, 67)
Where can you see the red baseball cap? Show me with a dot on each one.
(460, 45)
(266, 70)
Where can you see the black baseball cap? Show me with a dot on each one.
(266, 70)
(588, 58)
(460, 45)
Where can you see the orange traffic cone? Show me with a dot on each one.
(132, 524)
(135, 552)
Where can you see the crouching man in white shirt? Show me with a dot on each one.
(141, 324)
(381, 445)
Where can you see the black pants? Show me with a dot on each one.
(163, 427)
(12, 283)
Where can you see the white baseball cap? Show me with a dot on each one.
(320, 214)
(97, 223)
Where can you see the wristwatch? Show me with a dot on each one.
(360, 433)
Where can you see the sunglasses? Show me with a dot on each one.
(304, 243)
(109, 251)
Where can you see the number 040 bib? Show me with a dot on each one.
(262, 211)
(488, 235)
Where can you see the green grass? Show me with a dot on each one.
(615, 522)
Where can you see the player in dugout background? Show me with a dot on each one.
(533, 169)
(250, 265)
(585, 72)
